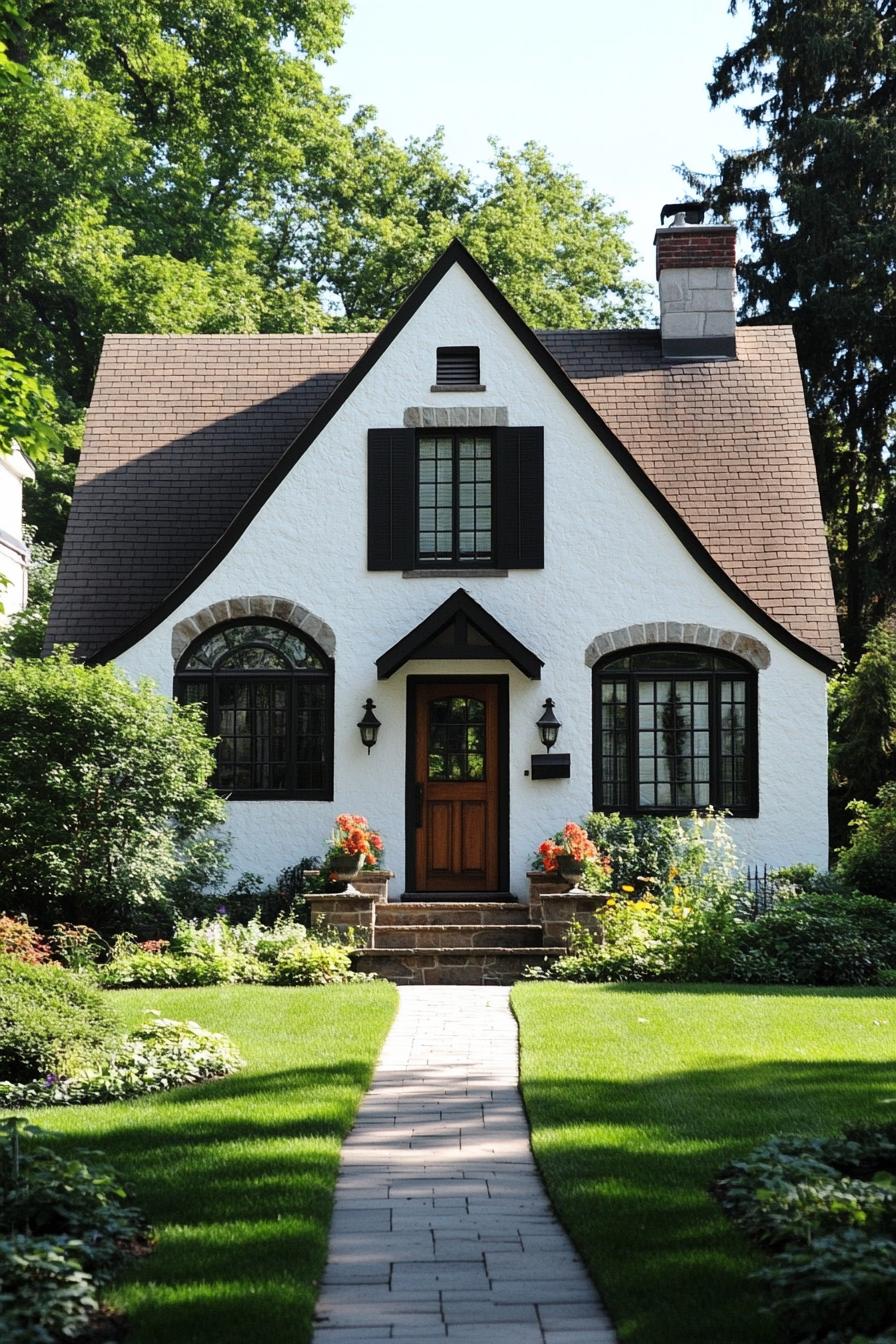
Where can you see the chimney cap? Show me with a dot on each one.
(693, 212)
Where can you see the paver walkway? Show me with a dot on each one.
(442, 1228)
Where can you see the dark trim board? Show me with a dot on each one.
(502, 681)
(456, 254)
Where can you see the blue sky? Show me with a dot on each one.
(615, 89)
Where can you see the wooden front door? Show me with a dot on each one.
(457, 789)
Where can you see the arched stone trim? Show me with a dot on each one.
(233, 608)
(675, 632)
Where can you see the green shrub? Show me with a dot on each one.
(215, 952)
(45, 1194)
(104, 784)
(826, 1207)
(812, 938)
(665, 850)
(311, 963)
(65, 1227)
(869, 861)
(45, 1293)
(51, 1022)
(843, 1282)
(160, 1055)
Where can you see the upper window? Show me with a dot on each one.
(268, 697)
(454, 499)
(457, 365)
(675, 729)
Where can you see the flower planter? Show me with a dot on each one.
(570, 869)
(343, 867)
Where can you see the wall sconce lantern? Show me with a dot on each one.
(369, 726)
(548, 766)
(548, 725)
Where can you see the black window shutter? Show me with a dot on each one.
(519, 498)
(391, 499)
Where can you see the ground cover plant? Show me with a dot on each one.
(826, 1210)
(60, 1043)
(218, 952)
(236, 1176)
(65, 1228)
(638, 1095)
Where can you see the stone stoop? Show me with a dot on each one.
(451, 966)
(452, 943)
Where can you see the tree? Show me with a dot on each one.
(104, 784)
(863, 727)
(180, 166)
(817, 195)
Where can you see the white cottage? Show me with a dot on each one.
(459, 519)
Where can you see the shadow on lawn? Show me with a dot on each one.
(240, 1173)
(631, 1165)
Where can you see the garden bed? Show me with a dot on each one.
(638, 1095)
(236, 1176)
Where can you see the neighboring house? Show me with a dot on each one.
(15, 468)
(459, 518)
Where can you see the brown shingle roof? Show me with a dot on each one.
(182, 429)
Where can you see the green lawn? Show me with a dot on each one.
(638, 1094)
(237, 1176)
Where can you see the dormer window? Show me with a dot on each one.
(457, 369)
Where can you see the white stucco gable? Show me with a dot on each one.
(611, 562)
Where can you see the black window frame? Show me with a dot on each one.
(744, 672)
(457, 561)
(296, 677)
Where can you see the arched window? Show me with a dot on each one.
(268, 693)
(675, 729)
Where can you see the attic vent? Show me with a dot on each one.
(457, 366)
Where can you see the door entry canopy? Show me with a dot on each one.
(459, 628)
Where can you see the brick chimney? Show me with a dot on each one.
(695, 268)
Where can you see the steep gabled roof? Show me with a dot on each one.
(187, 436)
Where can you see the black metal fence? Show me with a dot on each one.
(762, 891)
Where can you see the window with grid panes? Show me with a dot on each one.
(268, 696)
(454, 498)
(675, 729)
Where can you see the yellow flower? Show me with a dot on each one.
(626, 887)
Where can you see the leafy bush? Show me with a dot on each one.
(45, 1293)
(813, 938)
(214, 952)
(311, 963)
(51, 1023)
(160, 1055)
(18, 939)
(104, 783)
(45, 1194)
(827, 1209)
(664, 850)
(65, 1226)
(869, 861)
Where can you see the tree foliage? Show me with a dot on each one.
(103, 785)
(863, 728)
(817, 196)
(182, 166)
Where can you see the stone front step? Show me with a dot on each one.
(458, 897)
(441, 966)
(457, 936)
(451, 912)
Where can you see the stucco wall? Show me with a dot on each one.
(610, 562)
